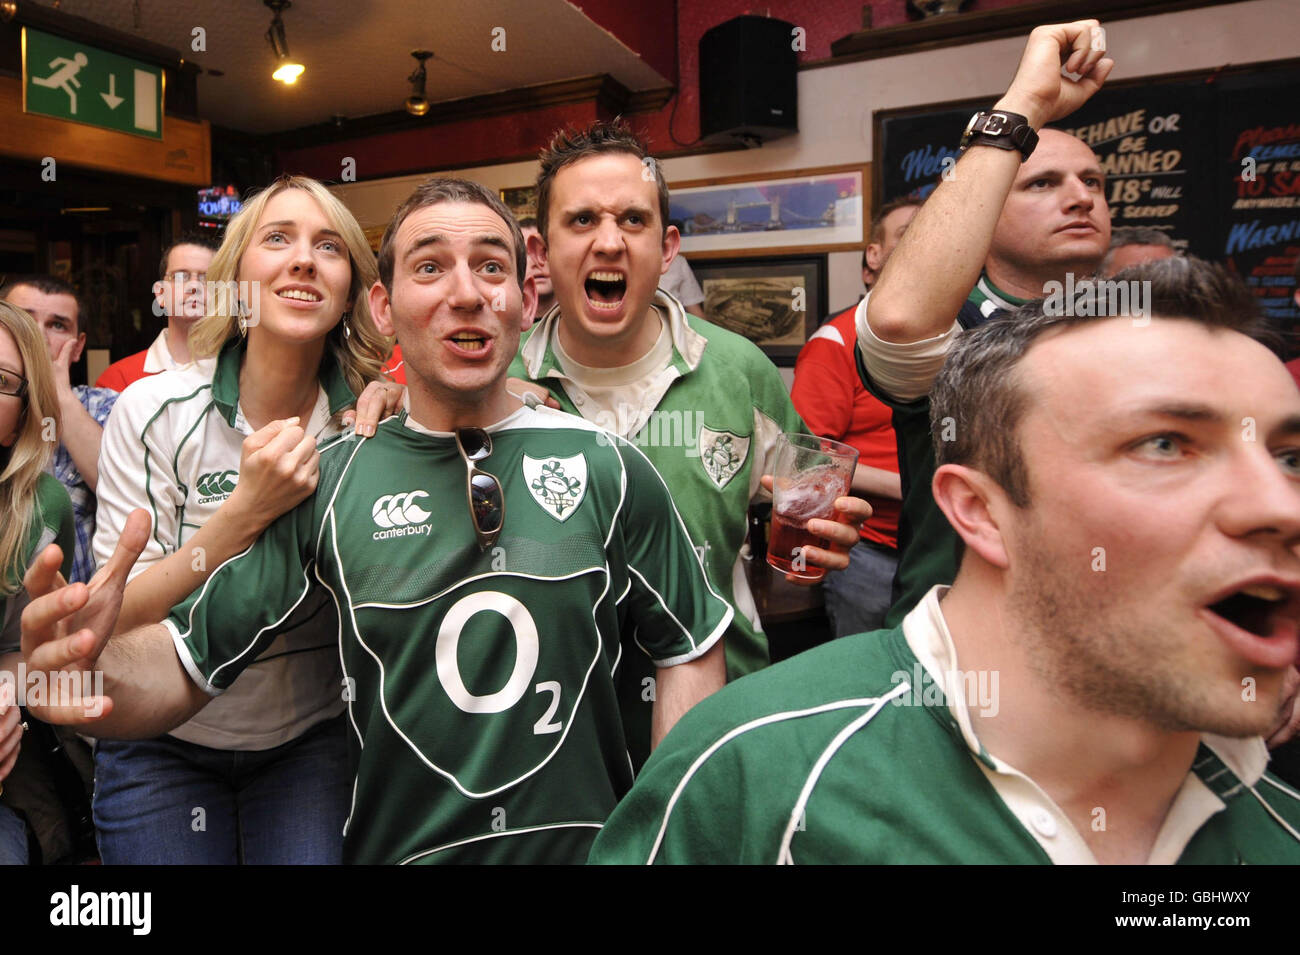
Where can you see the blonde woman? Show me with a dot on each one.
(34, 512)
(214, 453)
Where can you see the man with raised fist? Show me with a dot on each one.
(1023, 206)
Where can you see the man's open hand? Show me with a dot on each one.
(66, 626)
(1040, 91)
(62, 363)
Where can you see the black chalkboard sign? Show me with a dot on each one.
(1259, 189)
(1210, 157)
(1156, 144)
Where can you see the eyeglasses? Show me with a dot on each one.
(12, 384)
(183, 278)
(487, 503)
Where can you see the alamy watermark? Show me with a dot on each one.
(61, 688)
(979, 688)
(229, 299)
(675, 428)
(1098, 298)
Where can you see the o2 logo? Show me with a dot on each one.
(527, 650)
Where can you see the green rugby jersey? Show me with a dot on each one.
(850, 753)
(928, 547)
(174, 446)
(711, 435)
(50, 523)
(479, 684)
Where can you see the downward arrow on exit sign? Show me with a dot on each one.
(111, 97)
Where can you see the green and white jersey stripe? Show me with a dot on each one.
(854, 752)
(172, 446)
(479, 684)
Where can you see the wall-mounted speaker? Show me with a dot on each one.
(748, 91)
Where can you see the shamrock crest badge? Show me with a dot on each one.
(722, 453)
(557, 484)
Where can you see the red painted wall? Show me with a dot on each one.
(647, 27)
(464, 143)
(644, 26)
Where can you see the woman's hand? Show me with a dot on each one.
(377, 402)
(278, 469)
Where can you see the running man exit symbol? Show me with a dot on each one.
(64, 77)
(82, 84)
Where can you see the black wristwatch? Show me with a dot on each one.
(1001, 129)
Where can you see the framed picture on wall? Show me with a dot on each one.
(774, 302)
(521, 201)
(801, 211)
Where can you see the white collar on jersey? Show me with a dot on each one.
(926, 631)
(514, 419)
(688, 345)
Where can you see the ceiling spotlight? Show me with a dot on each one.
(286, 71)
(417, 104)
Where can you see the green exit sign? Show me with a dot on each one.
(82, 84)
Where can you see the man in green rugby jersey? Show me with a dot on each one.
(1098, 682)
(1121, 635)
(705, 404)
(482, 558)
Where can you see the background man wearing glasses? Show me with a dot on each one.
(482, 558)
(178, 294)
(58, 310)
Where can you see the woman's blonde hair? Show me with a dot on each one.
(22, 464)
(360, 350)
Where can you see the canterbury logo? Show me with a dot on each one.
(216, 483)
(399, 510)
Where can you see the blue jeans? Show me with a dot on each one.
(858, 596)
(13, 838)
(164, 801)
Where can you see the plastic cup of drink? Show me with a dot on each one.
(810, 473)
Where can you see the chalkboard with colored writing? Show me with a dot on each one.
(1258, 178)
(1212, 158)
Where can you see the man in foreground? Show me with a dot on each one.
(481, 558)
(1095, 684)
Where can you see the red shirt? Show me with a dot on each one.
(396, 366)
(1293, 366)
(829, 396)
(122, 373)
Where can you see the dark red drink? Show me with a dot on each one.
(786, 539)
(813, 495)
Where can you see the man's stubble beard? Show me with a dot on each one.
(1112, 664)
